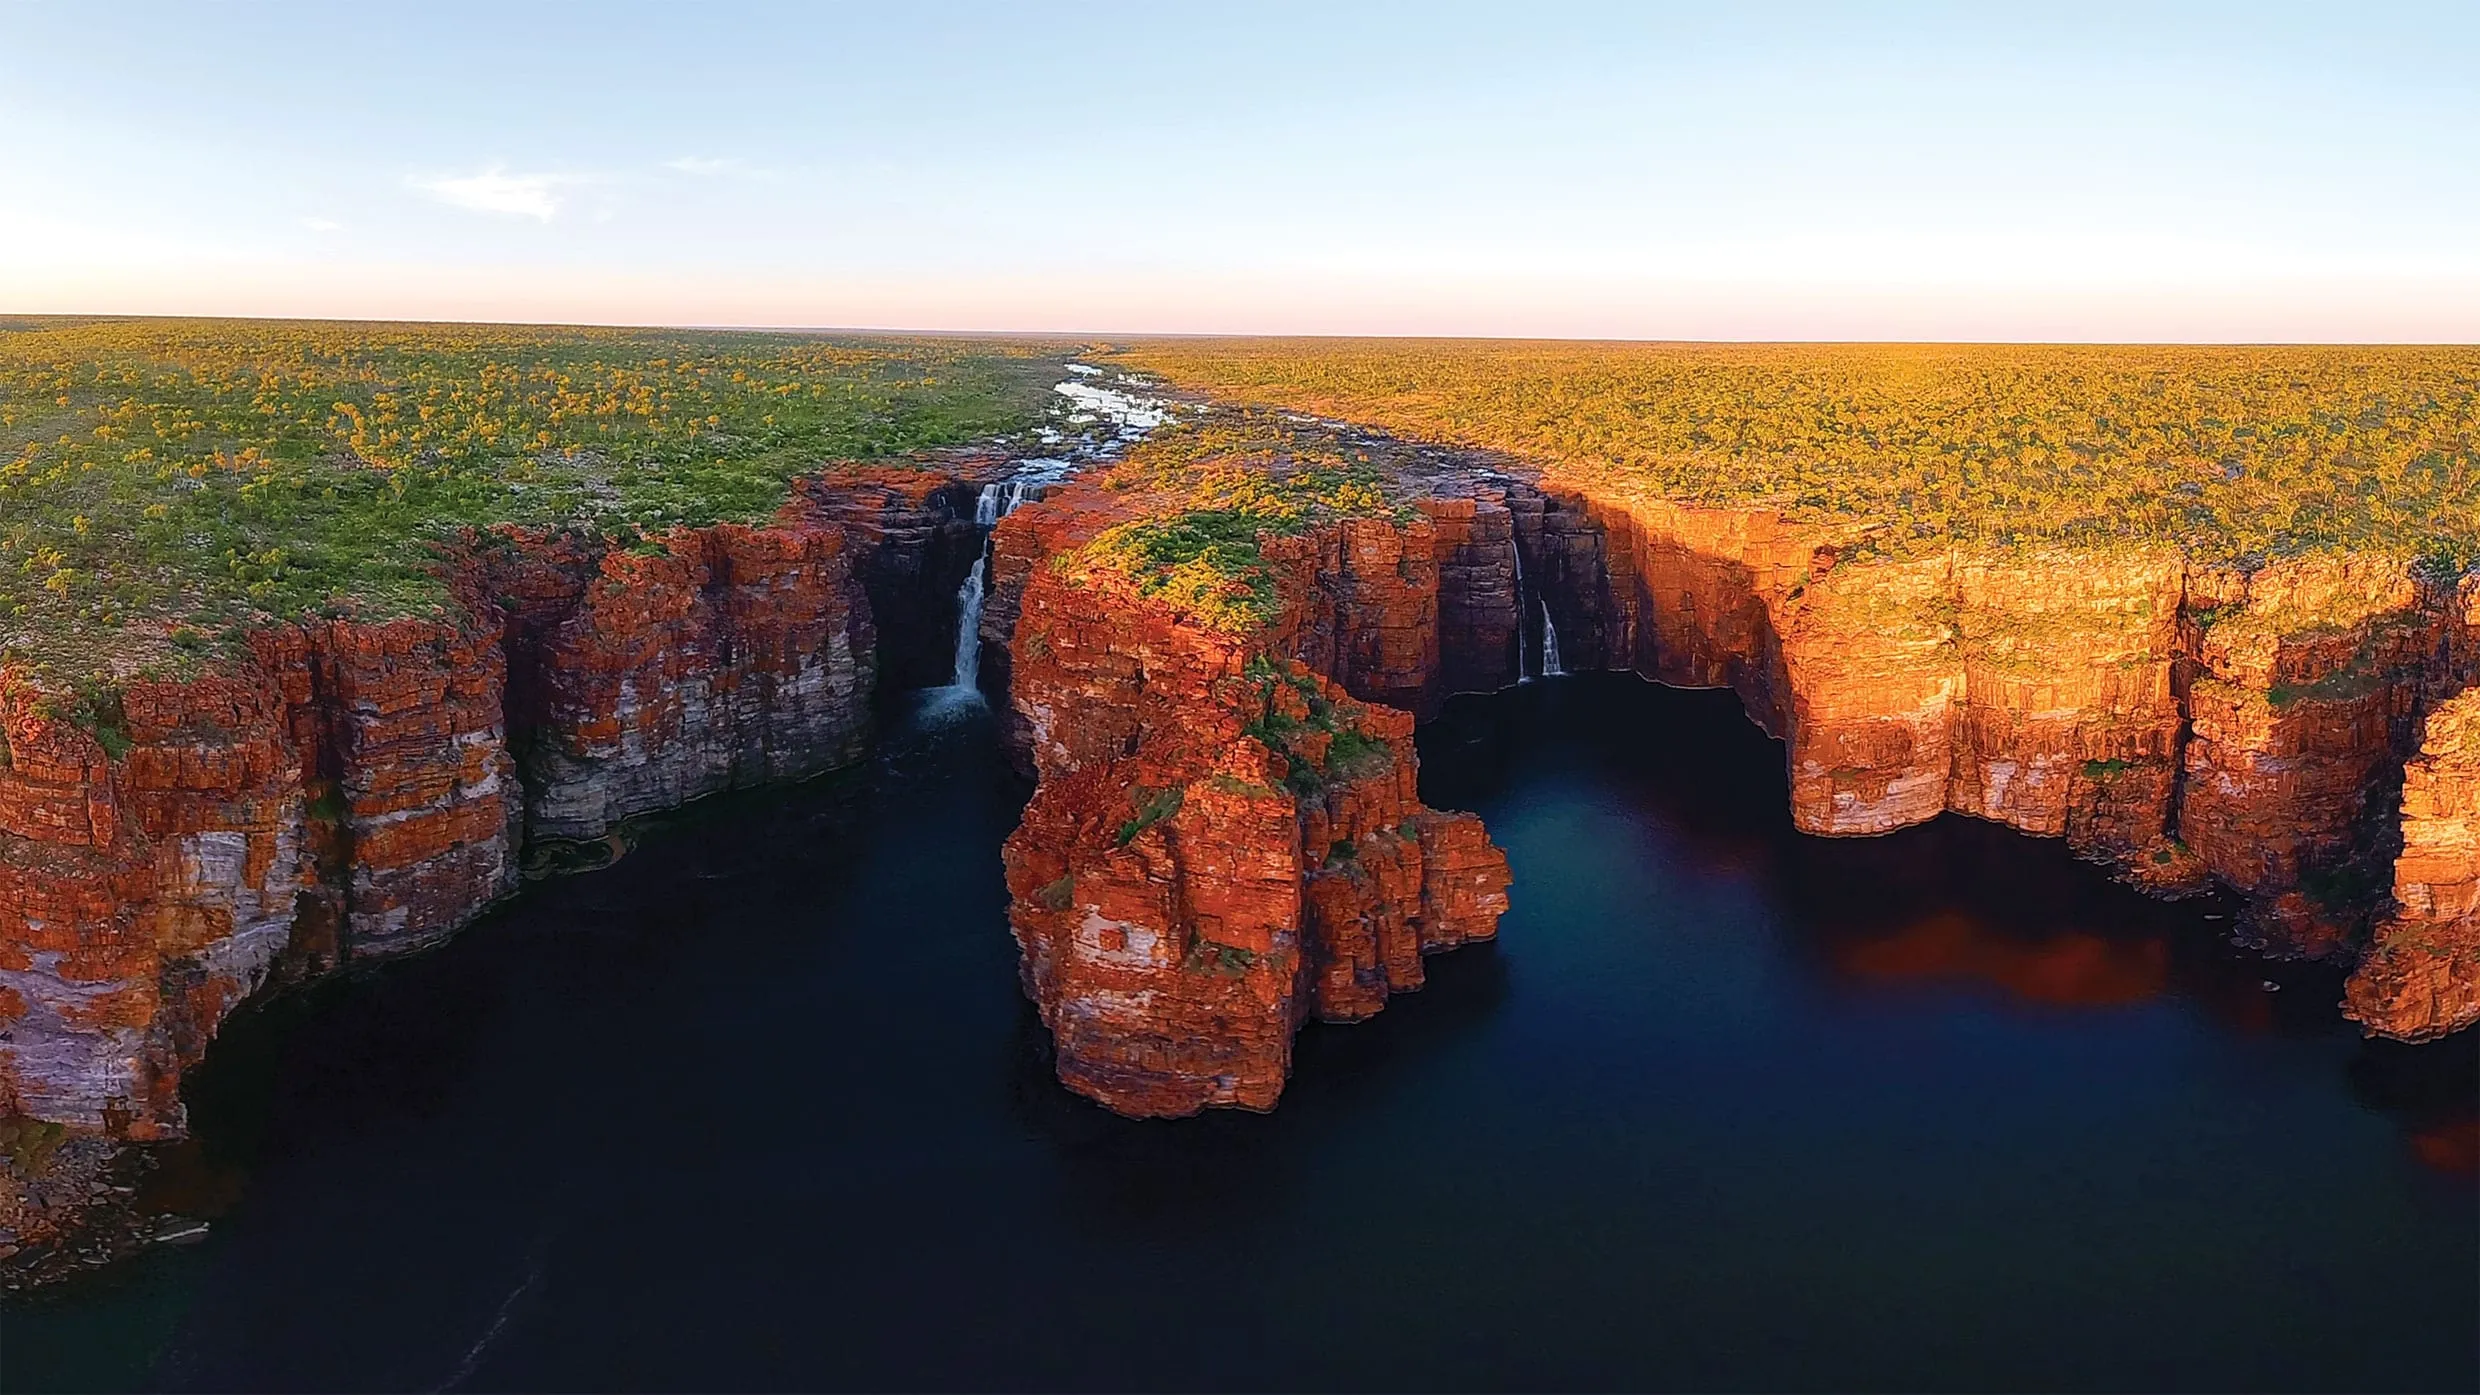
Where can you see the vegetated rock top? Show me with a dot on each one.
(1195, 502)
(163, 482)
(2231, 454)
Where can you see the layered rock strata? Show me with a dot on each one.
(732, 657)
(913, 537)
(1226, 838)
(348, 790)
(2420, 977)
(2188, 724)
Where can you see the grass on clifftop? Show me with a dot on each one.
(162, 481)
(1213, 489)
(2232, 454)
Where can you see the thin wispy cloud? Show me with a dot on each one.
(728, 167)
(495, 190)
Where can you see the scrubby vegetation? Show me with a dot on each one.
(2231, 453)
(162, 481)
(1214, 488)
(1321, 742)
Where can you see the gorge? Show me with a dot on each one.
(1226, 838)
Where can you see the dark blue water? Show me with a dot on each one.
(1726, 1108)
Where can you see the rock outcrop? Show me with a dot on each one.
(2420, 977)
(1225, 839)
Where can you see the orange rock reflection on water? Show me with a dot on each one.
(2452, 1148)
(2069, 969)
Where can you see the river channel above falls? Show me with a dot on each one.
(1725, 1107)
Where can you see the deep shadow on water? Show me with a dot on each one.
(1727, 1107)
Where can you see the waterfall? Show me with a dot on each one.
(1523, 672)
(969, 627)
(995, 502)
(1550, 666)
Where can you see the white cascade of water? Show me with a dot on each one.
(1524, 673)
(996, 501)
(969, 628)
(1550, 667)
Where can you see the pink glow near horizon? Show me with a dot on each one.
(2309, 310)
(2179, 172)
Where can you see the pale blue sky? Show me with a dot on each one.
(1863, 171)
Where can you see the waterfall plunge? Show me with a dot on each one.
(1550, 666)
(995, 502)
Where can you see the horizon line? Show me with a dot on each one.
(9, 318)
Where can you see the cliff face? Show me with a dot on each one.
(1480, 613)
(2421, 976)
(2035, 691)
(145, 896)
(913, 538)
(347, 790)
(2180, 722)
(734, 657)
(1224, 840)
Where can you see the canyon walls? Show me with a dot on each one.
(913, 538)
(2186, 724)
(346, 790)
(1226, 838)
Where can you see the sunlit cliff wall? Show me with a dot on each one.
(2186, 724)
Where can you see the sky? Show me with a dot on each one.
(2243, 172)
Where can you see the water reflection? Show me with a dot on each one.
(2067, 969)
(1955, 906)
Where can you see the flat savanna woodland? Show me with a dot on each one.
(166, 483)
(2233, 455)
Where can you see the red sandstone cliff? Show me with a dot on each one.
(2421, 975)
(346, 790)
(1224, 841)
(141, 898)
(730, 657)
(2176, 720)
